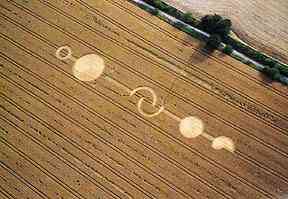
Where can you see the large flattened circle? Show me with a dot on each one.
(88, 68)
(191, 127)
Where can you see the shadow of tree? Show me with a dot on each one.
(265, 79)
(201, 53)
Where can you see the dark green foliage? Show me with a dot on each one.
(155, 12)
(165, 8)
(208, 22)
(215, 24)
(178, 14)
(213, 42)
(228, 49)
(273, 73)
(145, 8)
(283, 69)
(223, 27)
(170, 10)
(270, 62)
(188, 18)
(158, 4)
(255, 55)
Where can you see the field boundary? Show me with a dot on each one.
(241, 55)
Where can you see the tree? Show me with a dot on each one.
(170, 10)
(188, 18)
(270, 62)
(282, 68)
(155, 11)
(157, 3)
(273, 73)
(207, 23)
(222, 27)
(213, 42)
(215, 24)
(228, 49)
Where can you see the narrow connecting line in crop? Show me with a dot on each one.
(91, 66)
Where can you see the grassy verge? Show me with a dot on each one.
(187, 23)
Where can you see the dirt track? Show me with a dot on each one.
(62, 138)
(262, 24)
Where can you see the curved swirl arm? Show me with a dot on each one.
(154, 102)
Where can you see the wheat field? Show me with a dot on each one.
(62, 138)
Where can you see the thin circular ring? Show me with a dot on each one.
(142, 112)
(154, 96)
(64, 48)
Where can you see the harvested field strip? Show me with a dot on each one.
(64, 138)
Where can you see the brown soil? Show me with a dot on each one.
(262, 24)
(63, 138)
